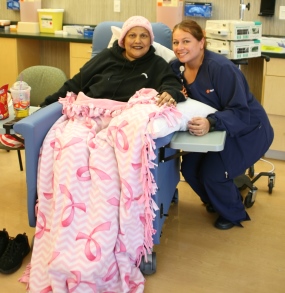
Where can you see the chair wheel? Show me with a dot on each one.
(149, 267)
(270, 185)
(248, 202)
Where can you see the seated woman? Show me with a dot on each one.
(214, 80)
(131, 64)
(95, 207)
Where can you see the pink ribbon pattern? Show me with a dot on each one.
(93, 257)
(73, 205)
(54, 143)
(77, 281)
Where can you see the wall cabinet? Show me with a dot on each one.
(79, 55)
(16, 55)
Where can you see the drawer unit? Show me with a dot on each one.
(275, 67)
(274, 97)
(274, 104)
(79, 55)
(278, 124)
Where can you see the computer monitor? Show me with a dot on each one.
(267, 7)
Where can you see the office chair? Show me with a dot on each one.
(43, 80)
(247, 180)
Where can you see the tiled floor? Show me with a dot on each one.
(193, 256)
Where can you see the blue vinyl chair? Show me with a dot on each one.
(35, 127)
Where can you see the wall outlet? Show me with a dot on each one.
(282, 12)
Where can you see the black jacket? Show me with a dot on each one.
(109, 75)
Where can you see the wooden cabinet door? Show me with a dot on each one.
(79, 55)
(274, 97)
(8, 61)
(16, 55)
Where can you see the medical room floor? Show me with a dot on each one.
(193, 256)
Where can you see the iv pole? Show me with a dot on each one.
(242, 7)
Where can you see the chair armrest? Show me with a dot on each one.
(8, 126)
(210, 142)
(163, 141)
(34, 129)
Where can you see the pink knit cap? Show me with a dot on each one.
(132, 22)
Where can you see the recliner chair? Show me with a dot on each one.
(35, 127)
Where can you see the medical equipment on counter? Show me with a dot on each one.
(235, 30)
(235, 50)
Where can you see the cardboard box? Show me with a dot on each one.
(50, 20)
(235, 49)
(234, 30)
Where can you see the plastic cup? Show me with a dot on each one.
(20, 92)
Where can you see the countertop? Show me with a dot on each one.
(82, 39)
(46, 37)
(274, 55)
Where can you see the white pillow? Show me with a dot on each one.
(192, 108)
(189, 109)
(116, 32)
(164, 52)
(160, 50)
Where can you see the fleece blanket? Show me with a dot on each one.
(95, 209)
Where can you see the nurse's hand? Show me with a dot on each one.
(199, 126)
(165, 98)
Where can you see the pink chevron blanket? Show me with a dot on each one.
(95, 187)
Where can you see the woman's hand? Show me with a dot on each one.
(199, 126)
(165, 98)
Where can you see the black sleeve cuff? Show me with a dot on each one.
(212, 122)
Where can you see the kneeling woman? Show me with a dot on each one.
(214, 80)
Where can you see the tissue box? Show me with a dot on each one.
(235, 30)
(235, 49)
(88, 32)
(198, 9)
(273, 45)
(76, 30)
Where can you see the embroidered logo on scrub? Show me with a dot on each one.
(210, 91)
